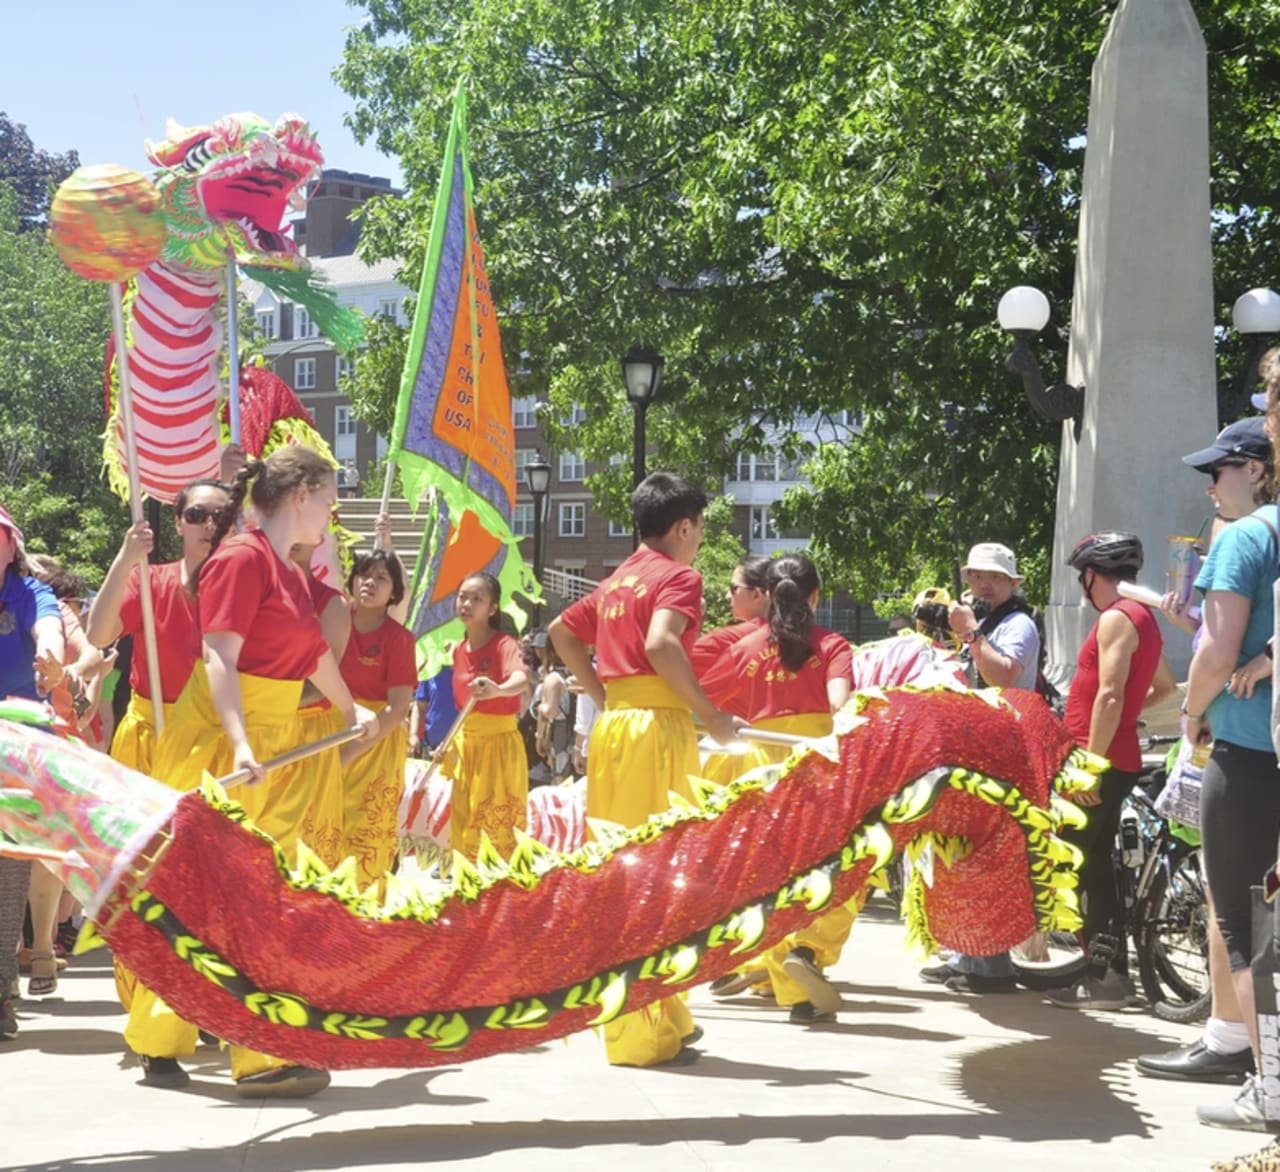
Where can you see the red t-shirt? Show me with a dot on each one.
(497, 659)
(1124, 751)
(750, 680)
(615, 616)
(710, 653)
(177, 631)
(378, 660)
(246, 588)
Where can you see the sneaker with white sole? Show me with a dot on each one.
(1246, 1112)
(1110, 992)
(800, 966)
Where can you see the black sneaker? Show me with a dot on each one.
(8, 1020)
(806, 1013)
(938, 974)
(164, 1073)
(974, 983)
(731, 984)
(285, 1082)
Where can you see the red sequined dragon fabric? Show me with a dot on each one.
(287, 957)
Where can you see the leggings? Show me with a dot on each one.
(1239, 824)
(15, 874)
(1103, 915)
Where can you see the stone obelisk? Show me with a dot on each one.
(1142, 324)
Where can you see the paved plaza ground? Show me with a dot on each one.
(910, 1077)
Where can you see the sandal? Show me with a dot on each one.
(44, 975)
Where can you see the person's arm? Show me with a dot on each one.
(666, 652)
(1117, 641)
(1226, 616)
(838, 691)
(335, 625)
(221, 651)
(1163, 685)
(484, 688)
(104, 625)
(392, 715)
(577, 658)
(998, 669)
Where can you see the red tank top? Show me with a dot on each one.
(1123, 750)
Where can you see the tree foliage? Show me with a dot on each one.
(718, 556)
(806, 207)
(32, 174)
(52, 414)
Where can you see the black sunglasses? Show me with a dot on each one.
(1216, 470)
(198, 514)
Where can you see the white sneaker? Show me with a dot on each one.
(1246, 1112)
(1110, 992)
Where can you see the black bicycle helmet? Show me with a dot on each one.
(1109, 552)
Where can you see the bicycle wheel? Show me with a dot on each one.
(1172, 940)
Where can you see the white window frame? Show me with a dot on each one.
(573, 519)
(524, 457)
(389, 307)
(304, 374)
(616, 530)
(524, 412)
(266, 319)
(577, 414)
(344, 421)
(522, 519)
(303, 326)
(342, 366)
(573, 468)
(762, 525)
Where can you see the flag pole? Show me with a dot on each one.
(135, 501)
(233, 350)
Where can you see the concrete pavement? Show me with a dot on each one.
(909, 1077)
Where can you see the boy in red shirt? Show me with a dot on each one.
(643, 622)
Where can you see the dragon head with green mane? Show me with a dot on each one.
(226, 189)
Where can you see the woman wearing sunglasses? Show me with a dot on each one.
(117, 611)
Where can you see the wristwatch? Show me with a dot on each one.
(970, 638)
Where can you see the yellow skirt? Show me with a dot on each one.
(372, 787)
(490, 772)
(311, 790)
(134, 743)
(727, 767)
(643, 747)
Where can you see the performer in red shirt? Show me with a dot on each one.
(260, 641)
(749, 602)
(788, 675)
(643, 622)
(380, 669)
(487, 761)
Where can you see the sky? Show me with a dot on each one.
(101, 78)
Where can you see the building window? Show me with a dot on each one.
(573, 519)
(303, 326)
(522, 520)
(750, 467)
(577, 414)
(344, 433)
(573, 468)
(616, 530)
(762, 526)
(524, 412)
(388, 307)
(343, 366)
(267, 323)
(524, 457)
(304, 374)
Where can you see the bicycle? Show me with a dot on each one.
(1161, 886)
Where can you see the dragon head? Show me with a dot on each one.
(226, 188)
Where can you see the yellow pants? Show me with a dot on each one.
(643, 747)
(134, 743)
(194, 743)
(372, 787)
(490, 772)
(306, 798)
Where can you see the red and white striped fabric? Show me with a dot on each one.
(557, 815)
(175, 348)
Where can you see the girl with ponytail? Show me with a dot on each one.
(260, 643)
(789, 675)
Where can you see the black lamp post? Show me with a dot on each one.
(1024, 312)
(1256, 316)
(642, 376)
(537, 478)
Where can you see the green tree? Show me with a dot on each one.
(33, 174)
(720, 552)
(806, 207)
(52, 413)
